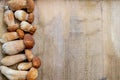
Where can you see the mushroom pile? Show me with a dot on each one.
(18, 41)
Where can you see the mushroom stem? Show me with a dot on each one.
(9, 36)
(11, 60)
(29, 55)
(13, 74)
(13, 47)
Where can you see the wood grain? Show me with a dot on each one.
(76, 40)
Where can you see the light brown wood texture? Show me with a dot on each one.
(76, 40)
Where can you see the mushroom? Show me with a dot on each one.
(13, 74)
(14, 47)
(24, 66)
(21, 4)
(29, 54)
(32, 74)
(25, 26)
(21, 15)
(11, 60)
(9, 36)
(36, 62)
(9, 20)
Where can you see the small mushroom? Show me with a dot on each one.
(9, 20)
(24, 66)
(32, 74)
(11, 60)
(25, 26)
(36, 62)
(13, 47)
(21, 15)
(9, 36)
(29, 54)
(13, 74)
(21, 4)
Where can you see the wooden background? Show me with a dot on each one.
(76, 40)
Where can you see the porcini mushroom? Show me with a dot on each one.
(13, 74)
(9, 20)
(14, 47)
(11, 60)
(21, 4)
(21, 15)
(25, 26)
(9, 36)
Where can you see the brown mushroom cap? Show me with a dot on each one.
(36, 62)
(20, 33)
(30, 6)
(29, 41)
(30, 18)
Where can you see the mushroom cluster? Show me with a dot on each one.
(18, 41)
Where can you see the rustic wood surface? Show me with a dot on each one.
(76, 40)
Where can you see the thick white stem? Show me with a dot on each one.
(13, 74)
(9, 36)
(11, 60)
(13, 47)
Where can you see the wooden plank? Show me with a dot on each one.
(111, 32)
